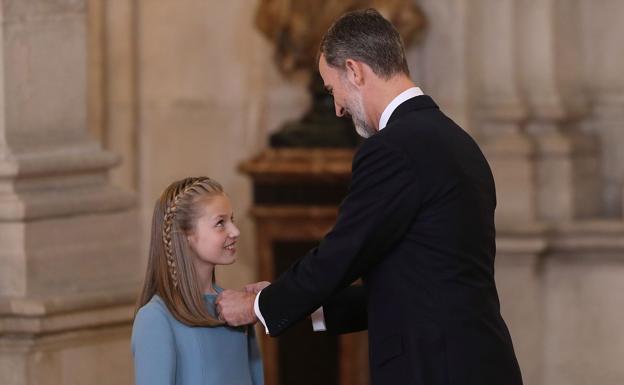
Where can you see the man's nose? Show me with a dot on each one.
(340, 111)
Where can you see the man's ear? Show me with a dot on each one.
(355, 72)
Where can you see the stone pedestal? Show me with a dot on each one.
(584, 308)
(69, 255)
(296, 195)
(560, 288)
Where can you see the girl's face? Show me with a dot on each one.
(214, 237)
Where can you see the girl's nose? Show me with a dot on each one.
(234, 231)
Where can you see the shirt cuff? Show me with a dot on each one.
(318, 320)
(257, 311)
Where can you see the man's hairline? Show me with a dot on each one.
(342, 70)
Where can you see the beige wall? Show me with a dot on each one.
(184, 88)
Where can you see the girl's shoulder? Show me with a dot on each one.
(152, 328)
(154, 312)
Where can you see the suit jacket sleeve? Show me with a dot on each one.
(382, 201)
(346, 312)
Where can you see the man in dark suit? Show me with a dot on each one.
(417, 226)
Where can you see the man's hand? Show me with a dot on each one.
(256, 287)
(236, 308)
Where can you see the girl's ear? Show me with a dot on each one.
(190, 239)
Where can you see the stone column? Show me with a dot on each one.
(445, 73)
(502, 113)
(113, 84)
(568, 171)
(603, 57)
(607, 120)
(69, 257)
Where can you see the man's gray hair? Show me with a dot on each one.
(368, 37)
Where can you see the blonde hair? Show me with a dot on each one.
(170, 270)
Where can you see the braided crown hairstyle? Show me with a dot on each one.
(170, 270)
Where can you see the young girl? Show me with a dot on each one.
(177, 337)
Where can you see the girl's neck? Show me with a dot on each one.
(204, 274)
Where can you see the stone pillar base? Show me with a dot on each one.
(69, 340)
(510, 156)
(568, 175)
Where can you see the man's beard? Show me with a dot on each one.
(355, 107)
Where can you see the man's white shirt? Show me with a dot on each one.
(397, 101)
(318, 318)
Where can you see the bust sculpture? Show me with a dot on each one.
(295, 27)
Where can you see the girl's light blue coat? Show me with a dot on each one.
(168, 352)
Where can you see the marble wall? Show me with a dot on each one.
(203, 94)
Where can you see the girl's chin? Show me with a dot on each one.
(229, 259)
(225, 259)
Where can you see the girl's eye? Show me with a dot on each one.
(220, 223)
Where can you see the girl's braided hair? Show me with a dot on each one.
(170, 271)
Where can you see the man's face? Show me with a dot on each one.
(347, 98)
